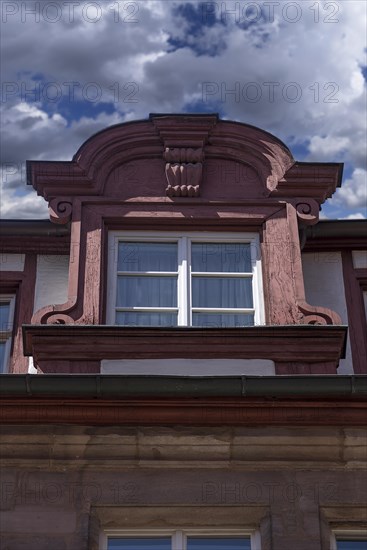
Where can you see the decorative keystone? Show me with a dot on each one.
(184, 171)
(184, 139)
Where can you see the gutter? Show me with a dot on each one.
(102, 386)
(32, 228)
(337, 229)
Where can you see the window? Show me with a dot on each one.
(190, 279)
(6, 329)
(180, 540)
(347, 544)
(349, 540)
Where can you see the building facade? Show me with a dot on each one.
(183, 348)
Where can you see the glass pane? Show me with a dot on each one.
(199, 543)
(147, 257)
(352, 545)
(4, 315)
(139, 543)
(232, 257)
(221, 292)
(146, 291)
(219, 320)
(141, 319)
(2, 357)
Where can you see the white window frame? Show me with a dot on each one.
(184, 240)
(7, 335)
(179, 536)
(352, 535)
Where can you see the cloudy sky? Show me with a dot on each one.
(71, 68)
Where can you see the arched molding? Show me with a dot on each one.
(90, 167)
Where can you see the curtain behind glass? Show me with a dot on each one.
(147, 257)
(139, 543)
(146, 291)
(206, 543)
(223, 257)
(351, 545)
(218, 320)
(4, 315)
(221, 292)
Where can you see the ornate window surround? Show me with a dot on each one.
(166, 174)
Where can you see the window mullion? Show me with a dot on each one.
(147, 308)
(183, 306)
(189, 282)
(113, 281)
(178, 541)
(224, 309)
(257, 285)
(146, 273)
(222, 274)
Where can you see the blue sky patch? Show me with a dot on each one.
(200, 106)
(196, 19)
(75, 110)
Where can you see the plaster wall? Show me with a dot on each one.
(51, 281)
(324, 286)
(360, 259)
(12, 262)
(190, 367)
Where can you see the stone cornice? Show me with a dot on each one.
(314, 180)
(189, 411)
(300, 343)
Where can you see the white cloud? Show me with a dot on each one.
(317, 57)
(51, 139)
(353, 193)
(357, 216)
(30, 133)
(26, 131)
(27, 206)
(328, 146)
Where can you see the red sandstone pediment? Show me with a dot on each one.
(170, 156)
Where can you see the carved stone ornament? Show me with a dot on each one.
(60, 210)
(184, 139)
(307, 210)
(184, 171)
